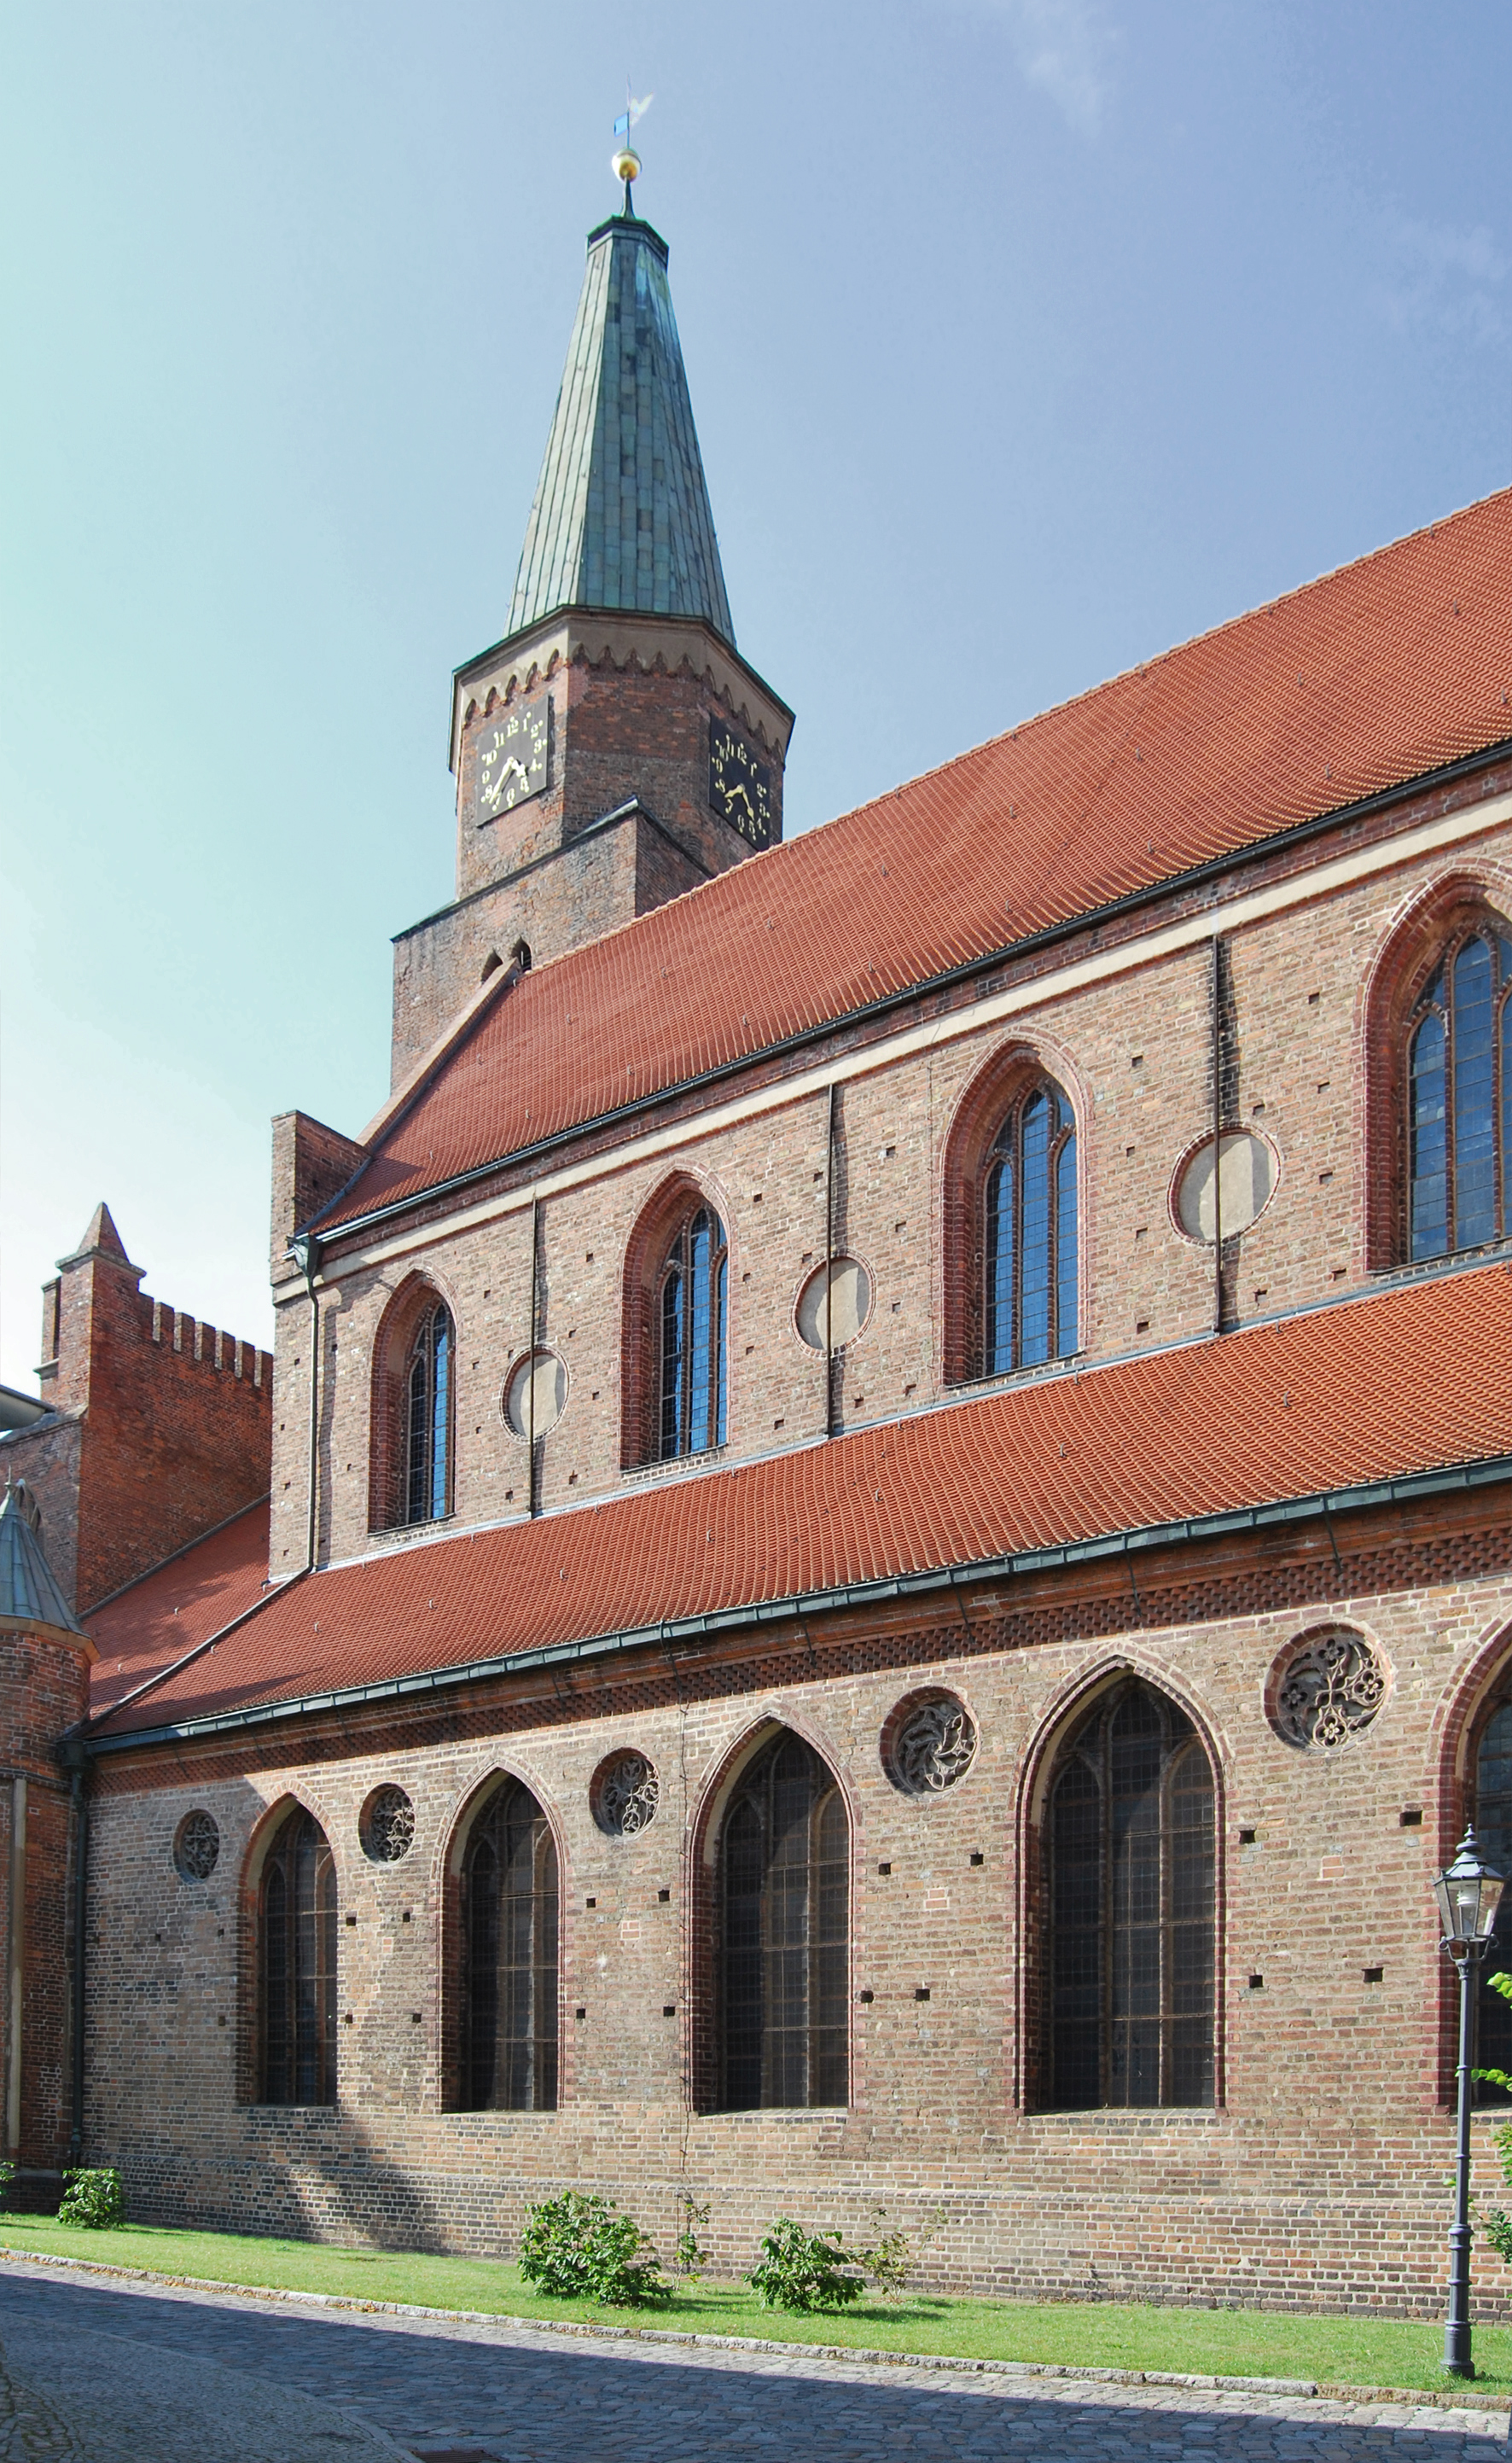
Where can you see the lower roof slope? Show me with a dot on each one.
(1403, 1382)
(178, 1607)
(1378, 674)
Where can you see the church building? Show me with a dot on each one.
(880, 1571)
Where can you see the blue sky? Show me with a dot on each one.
(1025, 337)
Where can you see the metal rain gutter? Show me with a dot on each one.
(1191, 1528)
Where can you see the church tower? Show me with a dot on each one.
(614, 749)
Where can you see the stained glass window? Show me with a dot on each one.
(511, 1917)
(429, 1420)
(1460, 1100)
(1131, 1946)
(297, 1946)
(1493, 1822)
(1030, 1247)
(784, 1938)
(694, 1306)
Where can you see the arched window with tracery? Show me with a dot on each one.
(692, 1310)
(1130, 1850)
(1459, 1099)
(782, 1983)
(298, 1962)
(428, 1417)
(511, 1920)
(1491, 1811)
(1031, 1233)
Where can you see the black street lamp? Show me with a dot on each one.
(1467, 1895)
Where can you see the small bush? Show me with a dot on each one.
(800, 2272)
(96, 2199)
(689, 2258)
(7, 2180)
(575, 2248)
(889, 2264)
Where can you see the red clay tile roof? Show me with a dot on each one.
(1402, 1381)
(1375, 675)
(180, 1604)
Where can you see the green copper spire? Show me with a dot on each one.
(621, 515)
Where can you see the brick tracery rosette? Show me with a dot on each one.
(387, 1826)
(1325, 1688)
(197, 1845)
(929, 1743)
(624, 1795)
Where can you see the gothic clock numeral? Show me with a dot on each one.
(514, 748)
(740, 785)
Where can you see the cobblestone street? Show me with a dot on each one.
(149, 2375)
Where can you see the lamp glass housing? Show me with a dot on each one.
(1468, 1894)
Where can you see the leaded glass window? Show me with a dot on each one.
(694, 1306)
(509, 1999)
(1130, 1834)
(784, 1934)
(1030, 1245)
(1493, 1825)
(428, 1419)
(298, 1957)
(1460, 1100)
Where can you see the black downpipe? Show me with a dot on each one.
(76, 2134)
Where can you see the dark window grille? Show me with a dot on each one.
(509, 1999)
(1460, 1100)
(429, 1420)
(784, 1958)
(1031, 1233)
(1492, 1816)
(1131, 1949)
(694, 1303)
(297, 1942)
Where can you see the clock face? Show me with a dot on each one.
(513, 756)
(740, 785)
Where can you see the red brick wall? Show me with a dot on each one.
(1318, 2180)
(43, 1691)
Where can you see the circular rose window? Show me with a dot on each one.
(196, 1847)
(1325, 1688)
(1245, 1180)
(625, 1794)
(929, 1743)
(849, 1289)
(387, 1826)
(537, 1394)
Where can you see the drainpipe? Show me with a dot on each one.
(16, 1964)
(305, 1250)
(72, 1759)
(1218, 1135)
(829, 1264)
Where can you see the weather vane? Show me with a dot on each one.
(625, 162)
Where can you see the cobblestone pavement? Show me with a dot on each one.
(485, 2394)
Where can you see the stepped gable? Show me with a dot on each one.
(1378, 674)
(178, 1607)
(1079, 1456)
(621, 515)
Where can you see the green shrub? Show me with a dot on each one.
(689, 2258)
(96, 2199)
(7, 2180)
(799, 2271)
(889, 2264)
(575, 2248)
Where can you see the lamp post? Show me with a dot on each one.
(1467, 1893)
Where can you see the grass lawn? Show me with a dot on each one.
(1359, 2350)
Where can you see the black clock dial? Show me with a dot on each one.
(513, 756)
(740, 785)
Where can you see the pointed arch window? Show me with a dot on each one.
(1031, 1243)
(1459, 1099)
(1131, 1841)
(511, 1920)
(428, 1417)
(296, 1938)
(784, 1934)
(1492, 1815)
(693, 1307)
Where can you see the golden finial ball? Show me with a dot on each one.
(626, 163)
